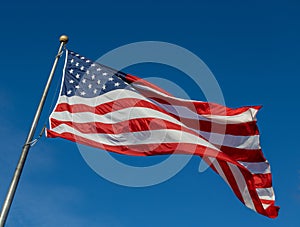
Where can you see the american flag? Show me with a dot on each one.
(108, 109)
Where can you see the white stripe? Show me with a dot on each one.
(257, 167)
(246, 116)
(185, 112)
(114, 117)
(265, 206)
(240, 180)
(249, 115)
(243, 142)
(138, 138)
(266, 193)
(105, 98)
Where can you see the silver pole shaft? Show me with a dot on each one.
(15, 180)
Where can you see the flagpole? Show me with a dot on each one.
(15, 180)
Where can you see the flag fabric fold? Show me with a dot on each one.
(108, 109)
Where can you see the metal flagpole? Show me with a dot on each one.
(14, 182)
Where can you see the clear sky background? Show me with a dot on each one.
(253, 49)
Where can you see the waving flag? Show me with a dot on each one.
(107, 109)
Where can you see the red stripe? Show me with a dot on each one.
(267, 201)
(203, 108)
(262, 180)
(242, 129)
(231, 180)
(252, 191)
(108, 107)
(137, 80)
(272, 211)
(244, 155)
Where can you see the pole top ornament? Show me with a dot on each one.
(64, 39)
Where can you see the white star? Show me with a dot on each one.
(77, 64)
(77, 76)
(69, 92)
(82, 93)
(77, 86)
(110, 79)
(72, 60)
(93, 65)
(77, 55)
(95, 91)
(87, 61)
(104, 74)
(98, 69)
(71, 71)
(82, 68)
(84, 81)
(90, 86)
(82, 58)
(98, 81)
(88, 72)
(104, 87)
(71, 81)
(117, 84)
(93, 77)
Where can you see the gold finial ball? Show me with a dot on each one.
(64, 39)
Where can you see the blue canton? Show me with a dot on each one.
(89, 79)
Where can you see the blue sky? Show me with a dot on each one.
(253, 50)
